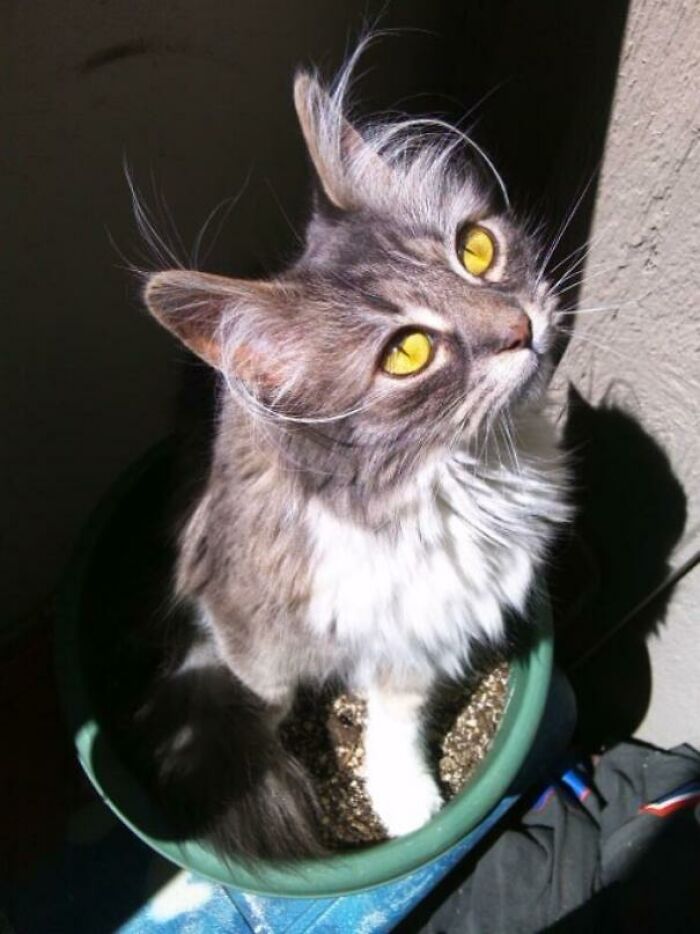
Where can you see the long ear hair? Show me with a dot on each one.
(415, 165)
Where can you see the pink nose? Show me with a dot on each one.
(517, 335)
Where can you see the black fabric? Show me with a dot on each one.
(587, 857)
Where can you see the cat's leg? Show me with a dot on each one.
(272, 686)
(267, 675)
(278, 698)
(399, 781)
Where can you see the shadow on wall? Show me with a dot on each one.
(632, 512)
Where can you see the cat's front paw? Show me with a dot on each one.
(404, 803)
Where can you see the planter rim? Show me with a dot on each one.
(336, 875)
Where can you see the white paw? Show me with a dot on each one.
(404, 803)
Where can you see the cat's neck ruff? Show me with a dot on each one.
(414, 595)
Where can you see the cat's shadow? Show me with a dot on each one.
(631, 512)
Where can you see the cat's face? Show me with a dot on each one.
(415, 316)
(403, 329)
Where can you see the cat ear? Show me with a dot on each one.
(343, 159)
(201, 309)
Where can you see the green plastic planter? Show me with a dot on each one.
(337, 875)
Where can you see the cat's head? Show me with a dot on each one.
(415, 316)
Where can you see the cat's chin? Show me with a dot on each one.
(515, 369)
(525, 376)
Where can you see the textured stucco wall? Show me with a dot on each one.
(645, 356)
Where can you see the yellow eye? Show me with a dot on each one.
(409, 354)
(477, 250)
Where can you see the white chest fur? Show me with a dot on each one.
(414, 596)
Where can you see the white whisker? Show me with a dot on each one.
(564, 228)
(574, 312)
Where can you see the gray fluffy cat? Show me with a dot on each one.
(384, 488)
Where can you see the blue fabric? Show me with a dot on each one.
(105, 884)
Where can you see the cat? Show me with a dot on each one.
(384, 488)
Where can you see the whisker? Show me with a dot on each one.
(164, 212)
(587, 247)
(509, 432)
(565, 226)
(573, 312)
(583, 271)
(283, 212)
(229, 204)
(239, 389)
(162, 252)
(663, 367)
(584, 278)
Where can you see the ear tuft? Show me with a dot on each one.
(342, 158)
(318, 118)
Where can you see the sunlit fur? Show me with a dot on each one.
(354, 524)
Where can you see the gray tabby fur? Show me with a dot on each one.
(357, 525)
